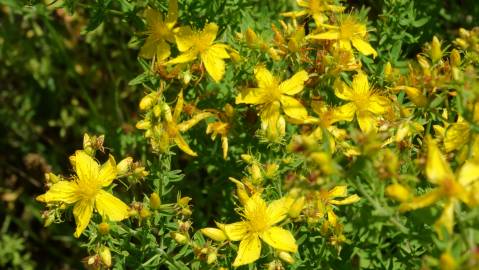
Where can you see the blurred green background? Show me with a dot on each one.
(65, 68)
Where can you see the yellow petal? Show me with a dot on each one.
(264, 78)
(349, 200)
(345, 112)
(181, 143)
(82, 212)
(62, 191)
(178, 106)
(421, 201)
(153, 17)
(255, 207)
(398, 192)
(367, 121)
(446, 220)
(110, 206)
(148, 49)
(86, 167)
(249, 250)
(214, 64)
(329, 35)
(468, 173)
(270, 116)
(214, 233)
(277, 211)
(172, 13)
(332, 218)
(437, 169)
(208, 35)
(364, 47)
(280, 239)
(252, 96)
(360, 85)
(235, 231)
(343, 91)
(456, 136)
(295, 84)
(184, 57)
(107, 172)
(338, 191)
(162, 50)
(293, 108)
(184, 126)
(378, 104)
(184, 38)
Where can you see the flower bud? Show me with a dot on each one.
(388, 70)
(145, 213)
(297, 207)
(235, 57)
(143, 124)
(124, 166)
(251, 38)
(436, 52)
(256, 175)
(155, 201)
(212, 257)
(103, 228)
(398, 192)
(179, 238)
(229, 110)
(286, 257)
(157, 110)
(214, 233)
(105, 256)
(455, 58)
(51, 178)
(148, 101)
(447, 262)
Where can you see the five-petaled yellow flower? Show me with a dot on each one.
(173, 128)
(273, 95)
(316, 9)
(260, 223)
(201, 43)
(349, 32)
(453, 188)
(364, 103)
(86, 192)
(160, 31)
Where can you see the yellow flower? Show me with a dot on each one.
(327, 199)
(193, 44)
(174, 129)
(316, 9)
(349, 32)
(273, 95)
(159, 32)
(259, 223)
(453, 188)
(364, 103)
(86, 192)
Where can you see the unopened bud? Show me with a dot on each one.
(143, 124)
(155, 201)
(179, 238)
(398, 192)
(145, 213)
(124, 166)
(286, 257)
(105, 256)
(297, 207)
(455, 58)
(214, 233)
(103, 228)
(436, 52)
(251, 38)
(148, 101)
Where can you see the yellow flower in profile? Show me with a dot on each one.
(365, 103)
(327, 199)
(201, 43)
(273, 95)
(316, 9)
(86, 192)
(160, 31)
(259, 224)
(349, 32)
(174, 129)
(453, 188)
